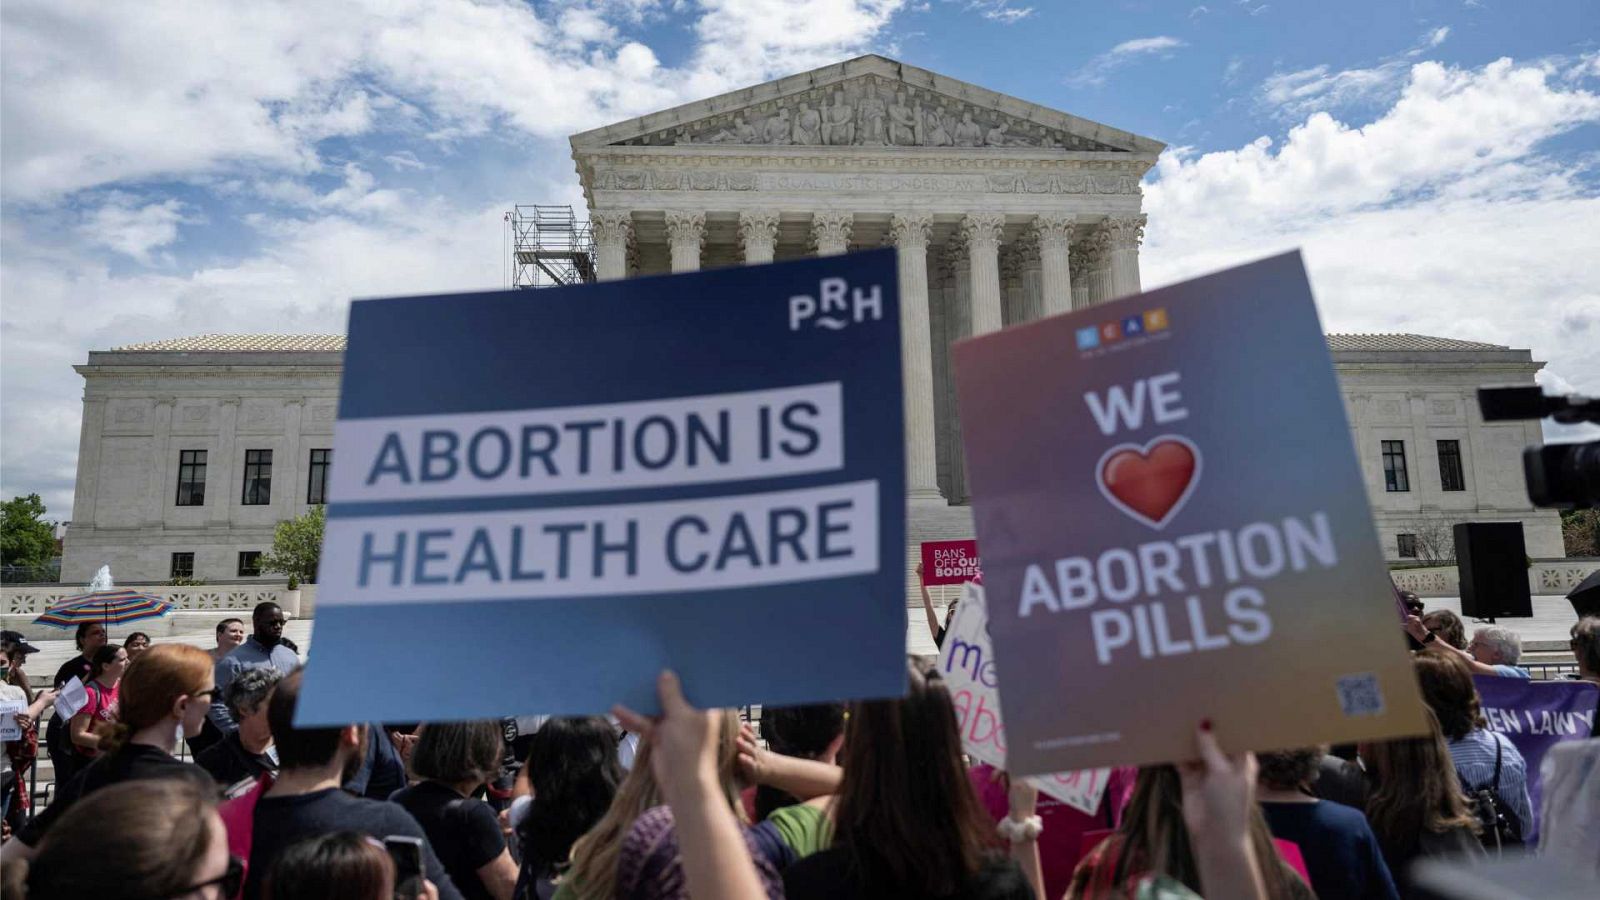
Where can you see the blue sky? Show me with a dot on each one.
(250, 167)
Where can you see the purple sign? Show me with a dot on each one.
(1537, 715)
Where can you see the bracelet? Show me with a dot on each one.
(1018, 831)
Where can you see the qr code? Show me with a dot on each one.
(1359, 695)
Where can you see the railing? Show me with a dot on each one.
(1554, 576)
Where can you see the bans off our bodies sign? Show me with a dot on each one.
(950, 562)
(1175, 528)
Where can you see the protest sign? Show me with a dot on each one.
(73, 697)
(1174, 528)
(559, 493)
(950, 562)
(966, 663)
(1535, 716)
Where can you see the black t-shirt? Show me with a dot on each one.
(134, 762)
(831, 875)
(77, 666)
(464, 831)
(281, 821)
(230, 763)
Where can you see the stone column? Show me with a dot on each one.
(89, 436)
(957, 326)
(686, 233)
(758, 235)
(1124, 234)
(830, 232)
(220, 487)
(160, 436)
(981, 232)
(1080, 276)
(910, 233)
(293, 491)
(612, 229)
(1054, 234)
(939, 303)
(1032, 279)
(1098, 259)
(1010, 285)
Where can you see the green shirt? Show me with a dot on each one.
(805, 828)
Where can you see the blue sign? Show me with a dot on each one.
(540, 499)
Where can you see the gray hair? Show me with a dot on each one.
(250, 688)
(1505, 644)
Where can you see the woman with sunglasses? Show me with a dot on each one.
(159, 838)
(167, 688)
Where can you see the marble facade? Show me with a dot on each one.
(1001, 210)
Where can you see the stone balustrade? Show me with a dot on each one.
(32, 600)
(1553, 576)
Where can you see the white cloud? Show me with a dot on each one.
(1198, 11)
(1440, 216)
(1095, 72)
(1294, 95)
(134, 230)
(187, 88)
(999, 10)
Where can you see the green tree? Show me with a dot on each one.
(26, 539)
(297, 548)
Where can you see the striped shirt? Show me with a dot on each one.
(1474, 758)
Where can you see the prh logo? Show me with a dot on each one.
(836, 306)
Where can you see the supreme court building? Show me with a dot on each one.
(1002, 211)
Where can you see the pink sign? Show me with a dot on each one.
(950, 562)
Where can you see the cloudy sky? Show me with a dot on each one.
(217, 167)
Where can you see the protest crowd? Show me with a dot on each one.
(868, 799)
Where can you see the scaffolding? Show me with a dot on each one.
(549, 247)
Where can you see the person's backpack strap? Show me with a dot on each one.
(1499, 750)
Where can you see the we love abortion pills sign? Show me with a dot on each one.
(1175, 528)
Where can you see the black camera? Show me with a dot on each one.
(1559, 476)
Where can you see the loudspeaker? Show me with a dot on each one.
(1492, 562)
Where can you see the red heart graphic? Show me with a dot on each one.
(1151, 482)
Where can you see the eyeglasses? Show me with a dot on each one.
(231, 880)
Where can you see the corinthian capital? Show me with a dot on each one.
(1082, 259)
(911, 230)
(1125, 232)
(686, 227)
(758, 226)
(611, 226)
(982, 230)
(831, 228)
(1053, 231)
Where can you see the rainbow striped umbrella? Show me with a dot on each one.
(113, 607)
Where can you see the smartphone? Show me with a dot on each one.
(407, 855)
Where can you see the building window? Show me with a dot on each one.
(191, 478)
(1408, 545)
(257, 478)
(317, 487)
(249, 563)
(1394, 467)
(1450, 466)
(182, 565)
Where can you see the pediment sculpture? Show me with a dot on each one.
(869, 112)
